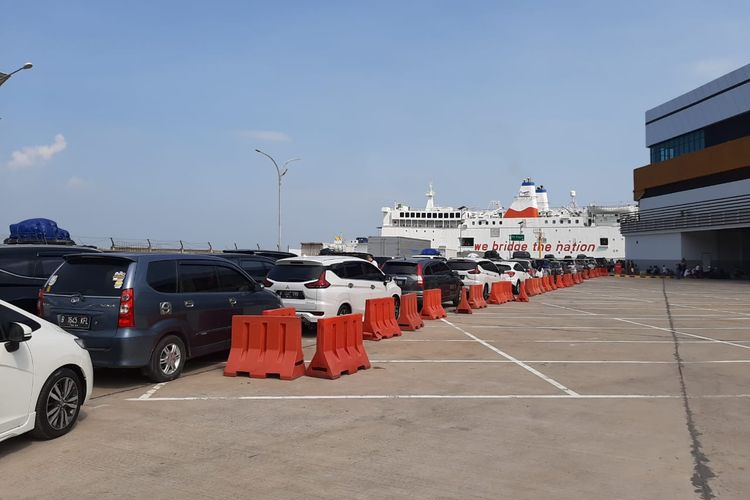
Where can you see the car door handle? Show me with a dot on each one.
(232, 301)
(351, 285)
(189, 303)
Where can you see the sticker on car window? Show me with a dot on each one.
(118, 278)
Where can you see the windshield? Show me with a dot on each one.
(400, 268)
(295, 273)
(462, 265)
(93, 277)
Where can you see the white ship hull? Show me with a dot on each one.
(566, 231)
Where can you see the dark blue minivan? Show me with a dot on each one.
(151, 311)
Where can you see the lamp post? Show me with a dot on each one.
(4, 77)
(281, 172)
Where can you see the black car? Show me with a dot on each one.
(25, 268)
(151, 311)
(271, 254)
(418, 275)
(254, 265)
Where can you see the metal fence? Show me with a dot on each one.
(731, 211)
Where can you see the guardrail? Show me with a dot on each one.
(734, 210)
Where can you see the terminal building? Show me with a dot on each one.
(694, 195)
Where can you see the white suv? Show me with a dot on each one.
(515, 272)
(328, 285)
(45, 373)
(474, 271)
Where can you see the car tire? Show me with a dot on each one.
(517, 288)
(396, 305)
(58, 404)
(486, 292)
(167, 360)
(457, 298)
(344, 309)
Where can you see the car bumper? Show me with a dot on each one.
(132, 351)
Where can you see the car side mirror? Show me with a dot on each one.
(18, 332)
(387, 279)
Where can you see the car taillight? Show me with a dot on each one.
(267, 283)
(475, 271)
(420, 277)
(321, 282)
(40, 303)
(126, 318)
(510, 273)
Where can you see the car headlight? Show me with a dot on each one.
(80, 342)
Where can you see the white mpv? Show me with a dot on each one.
(45, 376)
(474, 271)
(329, 285)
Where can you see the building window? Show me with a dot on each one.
(680, 145)
(603, 242)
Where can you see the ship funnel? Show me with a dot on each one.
(525, 204)
(541, 199)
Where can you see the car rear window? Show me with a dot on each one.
(524, 264)
(295, 273)
(502, 267)
(400, 268)
(462, 265)
(94, 277)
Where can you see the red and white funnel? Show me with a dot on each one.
(525, 204)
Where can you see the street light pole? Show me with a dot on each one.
(281, 172)
(4, 77)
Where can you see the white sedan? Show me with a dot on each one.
(46, 376)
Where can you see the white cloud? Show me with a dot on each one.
(265, 135)
(31, 155)
(706, 70)
(76, 183)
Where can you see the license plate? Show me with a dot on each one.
(291, 294)
(74, 321)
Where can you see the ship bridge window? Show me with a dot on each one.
(546, 222)
(412, 214)
(554, 221)
(576, 221)
(604, 241)
(472, 223)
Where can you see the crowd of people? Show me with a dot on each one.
(682, 270)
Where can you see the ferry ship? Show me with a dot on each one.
(528, 225)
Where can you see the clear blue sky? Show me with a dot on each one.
(161, 104)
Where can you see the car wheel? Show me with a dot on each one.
(517, 288)
(486, 291)
(167, 360)
(396, 305)
(457, 298)
(58, 404)
(344, 310)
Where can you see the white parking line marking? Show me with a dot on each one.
(570, 309)
(440, 396)
(683, 333)
(708, 342)
(150, 392)
(557, 361)
(519, 363)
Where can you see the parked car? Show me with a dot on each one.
(477, 271)
(271, 254)
(25, 268)
(417, 275)
(46, 376)
(150, 311)
(516, 273)
(555, 267)
(527, 266)
(322, 286)
(256, 266)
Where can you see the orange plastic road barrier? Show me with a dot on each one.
(266, 345)
(579, 280)
(498, 293)
(282, 311)
(530, 291)
(380, 319)
(476, 297)
(339, 348)
(432, 304)
(547, 284)
(463, 305)
(522, 295)
(560, 283)
(552, 284)
(408, 316)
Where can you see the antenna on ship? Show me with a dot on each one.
(573, 203)
(430, 197)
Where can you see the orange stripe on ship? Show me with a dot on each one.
(526, 212)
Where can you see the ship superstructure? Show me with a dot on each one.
(529, 224)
